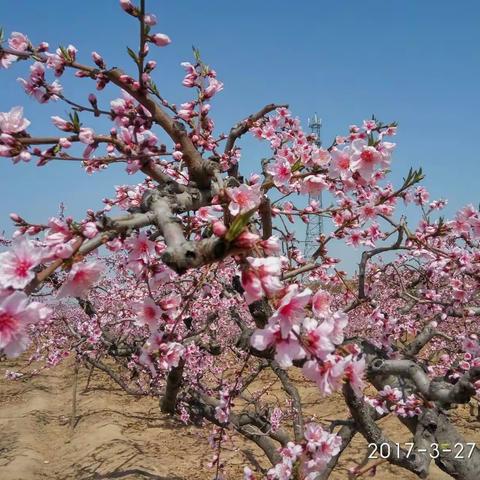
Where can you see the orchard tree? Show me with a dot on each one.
(190, 284)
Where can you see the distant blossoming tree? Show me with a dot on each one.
(191, 284)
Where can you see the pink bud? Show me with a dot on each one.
(177, 155)
(64, 250)
(33, 230)
(219, 228)
(43, 47)
(62, 124)
(160, 39)
(150, 19)
(98, 60)
(151, 64)
(5, 151)
(16, 218)
(101, 82)
(246, 239)
(127, 6)
(464, 365)
(90, 230)
(7, 139)
(72, 52)
(271, 245)
(64, 142)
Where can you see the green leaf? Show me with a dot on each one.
(1, 34)
(65, 54)
(196, 54)
(297, 166)
(75, 120)
(413, 177)
(153, 88)
(133, 55)
(238, 225)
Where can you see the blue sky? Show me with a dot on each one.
(414, 62)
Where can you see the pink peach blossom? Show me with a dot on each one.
(321, 301)
(287, 348)
(291, 309)
(148, 314)
(86, 136)
(261, 278)
(13, 121)
(244, 198)
(18, 41)
(16, 314)
(280, 171)
(17, 265)
(79, 280)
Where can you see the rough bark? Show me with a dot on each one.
(168, 402)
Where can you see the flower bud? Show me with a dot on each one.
(160, 39)
(98, 60)
(177, 155)
(16, 218)
(93, 100)
(151, 64)
(271, 246)
(219, 228)
(150, 19)
(42, 47)
(127, 6)
(246, 239)
(64, 142)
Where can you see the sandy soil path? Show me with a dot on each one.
(122, 437)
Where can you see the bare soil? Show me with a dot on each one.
(117, 436)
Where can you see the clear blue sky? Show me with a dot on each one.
(416, 62)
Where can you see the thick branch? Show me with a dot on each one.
(428, 333)
(265, 212)
(359, 410)
(174, 382)
(437, 389)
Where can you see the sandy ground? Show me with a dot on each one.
(121, 437)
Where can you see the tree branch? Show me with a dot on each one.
(292, 391)
(242, 127)
(359, 410)
(437, 389)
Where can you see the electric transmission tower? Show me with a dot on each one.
(315, 226)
